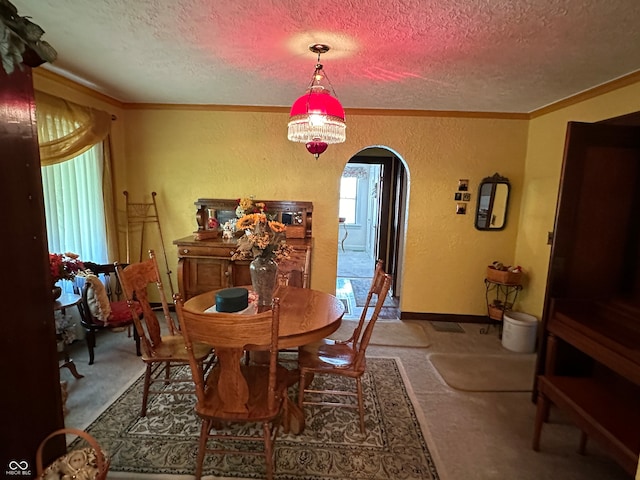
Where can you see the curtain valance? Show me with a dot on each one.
(66, 129)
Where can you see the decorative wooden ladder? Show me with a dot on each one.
(143, 214)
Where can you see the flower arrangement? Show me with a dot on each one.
(64, 266)
(263, 238)
(247, 206)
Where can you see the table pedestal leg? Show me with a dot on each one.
(296, 418)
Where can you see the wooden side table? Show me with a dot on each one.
(65, 301)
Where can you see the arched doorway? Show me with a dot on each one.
(373, 204)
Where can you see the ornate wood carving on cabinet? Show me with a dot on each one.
(204, 258)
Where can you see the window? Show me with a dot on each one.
(348, 195)
(76, 179)
(74, 207)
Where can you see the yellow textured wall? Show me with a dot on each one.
(542, 177)
(187, 154)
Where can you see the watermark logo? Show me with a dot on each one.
(18, 468)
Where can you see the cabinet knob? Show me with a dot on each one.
(226, 274)
(186, 250)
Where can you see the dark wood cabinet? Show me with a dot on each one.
(589, 361)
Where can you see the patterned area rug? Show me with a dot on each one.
(331, 447)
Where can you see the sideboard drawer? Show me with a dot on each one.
(205, 265)
(205, 251)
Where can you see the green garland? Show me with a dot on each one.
(16, 35)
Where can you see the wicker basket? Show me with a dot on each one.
(503, 276)
(495, 313)
(96, 468)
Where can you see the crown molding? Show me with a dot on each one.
(616, 84)
(49, 75)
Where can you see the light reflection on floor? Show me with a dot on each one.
(344, 292)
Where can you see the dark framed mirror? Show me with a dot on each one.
(493, 202)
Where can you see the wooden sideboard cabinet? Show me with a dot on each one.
(205, 264)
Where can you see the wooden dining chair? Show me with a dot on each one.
(159, 352)
(102, 306)
(234, 391)
(345, 358)
(293, 271)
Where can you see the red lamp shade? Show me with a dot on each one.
(317, 119)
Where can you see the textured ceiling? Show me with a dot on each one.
(464, 55)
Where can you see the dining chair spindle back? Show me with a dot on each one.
(235, 391)
(343, 357)
(159, 352)
(102, 305)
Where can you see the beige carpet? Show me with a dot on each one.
(486, 373)
(115, 360)
(395, 333)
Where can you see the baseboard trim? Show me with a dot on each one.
(158, 306)
(446, 317)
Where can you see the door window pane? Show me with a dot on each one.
(348, 194)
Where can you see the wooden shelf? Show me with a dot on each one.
(296, 215)
(602, 414)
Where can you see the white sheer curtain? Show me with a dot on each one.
(76, 177)
(74, 207)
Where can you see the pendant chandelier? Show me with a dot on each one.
(317, 117)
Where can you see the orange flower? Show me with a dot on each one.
(248, 221)
(277, 226)
(262, 238)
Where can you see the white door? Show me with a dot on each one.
(373, 210)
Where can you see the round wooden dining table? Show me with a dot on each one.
(306, 315)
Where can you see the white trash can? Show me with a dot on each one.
(519, 332)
